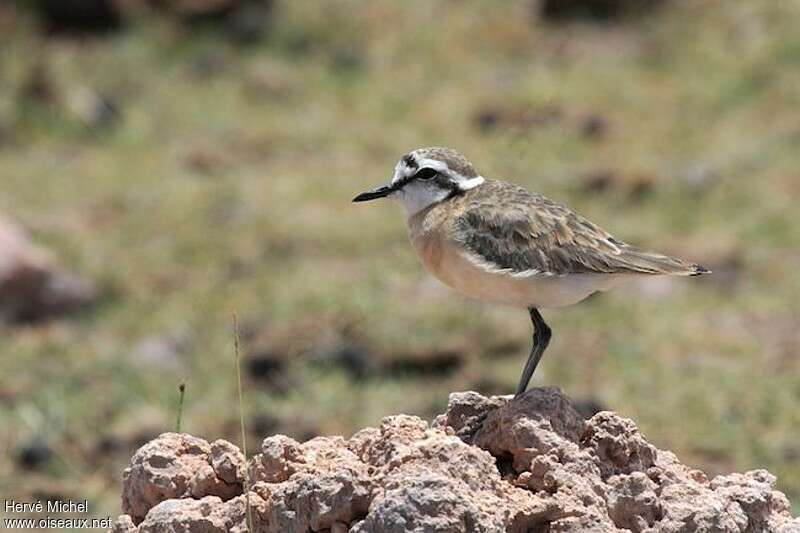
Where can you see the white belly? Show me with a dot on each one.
(533, 289)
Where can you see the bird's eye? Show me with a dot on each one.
(425, 174)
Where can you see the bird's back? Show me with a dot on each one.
(517, 230)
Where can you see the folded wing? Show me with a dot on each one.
(528, 232)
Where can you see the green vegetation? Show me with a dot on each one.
(227, 184)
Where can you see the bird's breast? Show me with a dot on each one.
(445, 260)
(429, 247)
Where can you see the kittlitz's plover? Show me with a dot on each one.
(495, 241)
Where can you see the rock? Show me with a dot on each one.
(488, 464)
(633, 503)
(180, 466)
(209, 514)
(308, 486)
(32, 286)
(123, 524)
(466, 412)
(617, 445)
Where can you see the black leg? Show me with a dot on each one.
(541, 338)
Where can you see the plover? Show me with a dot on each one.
(493, 240)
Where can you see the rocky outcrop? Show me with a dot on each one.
(32, 286)
(486, 465)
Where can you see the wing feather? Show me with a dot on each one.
(530, 232)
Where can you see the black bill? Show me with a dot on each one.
(380, 192)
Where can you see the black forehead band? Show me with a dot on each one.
(410, 161)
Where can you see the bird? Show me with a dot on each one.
(495, 241)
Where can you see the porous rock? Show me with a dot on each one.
(175, 466)
(486, 465)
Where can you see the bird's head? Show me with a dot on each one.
(426, 176)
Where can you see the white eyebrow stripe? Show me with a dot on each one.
(467, 184)
(436, 165)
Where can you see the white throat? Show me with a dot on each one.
(415, 199)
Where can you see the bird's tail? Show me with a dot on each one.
(699, 270)
(655, 263)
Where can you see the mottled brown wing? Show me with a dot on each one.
(526, 231)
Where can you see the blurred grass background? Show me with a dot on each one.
(192, 167)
